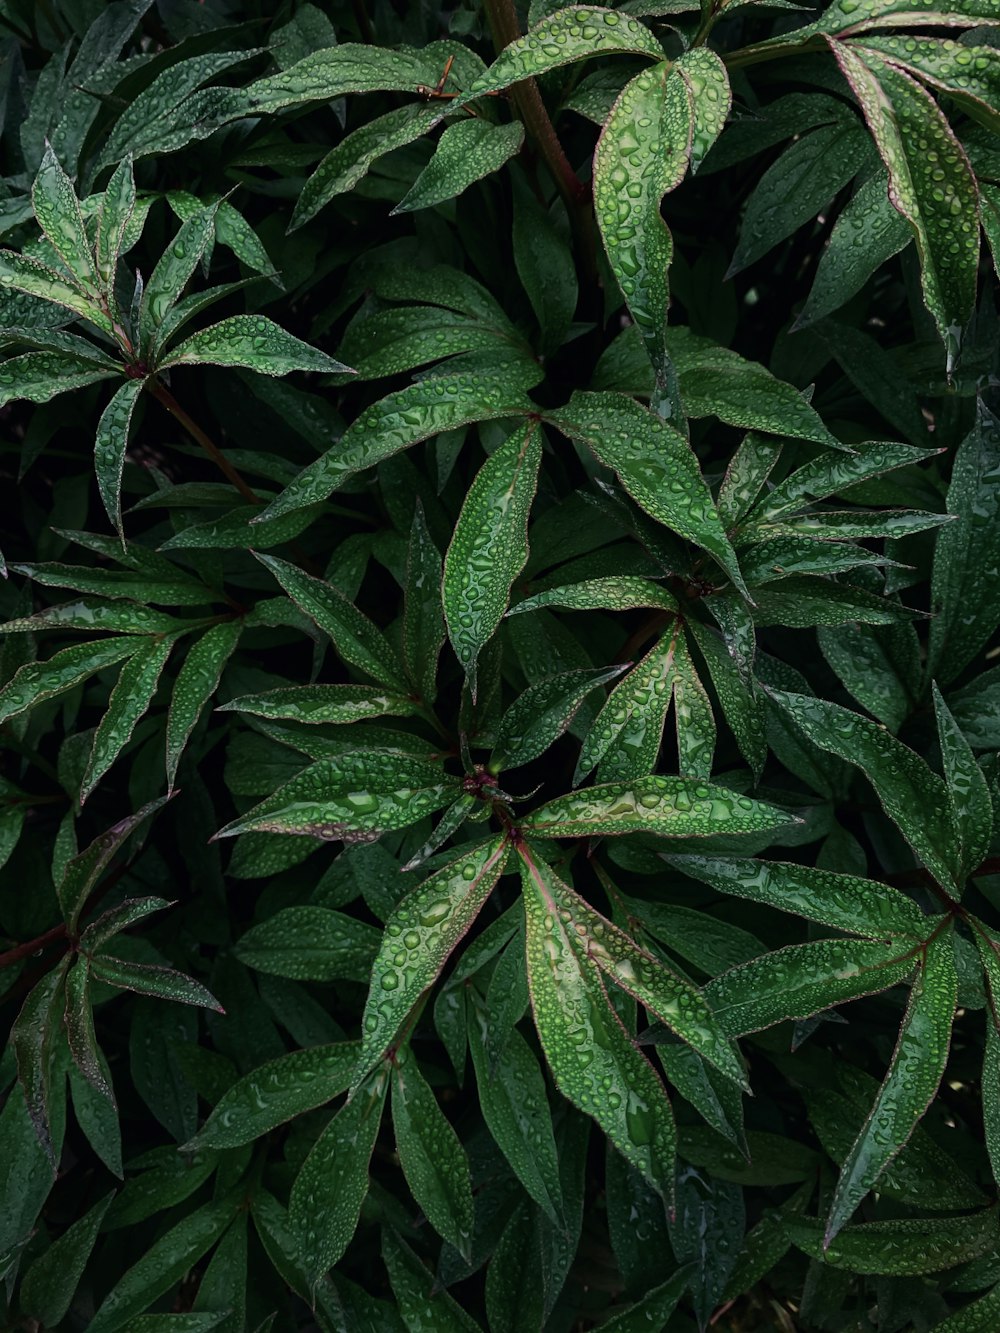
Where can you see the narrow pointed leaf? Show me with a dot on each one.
(429, 922)
(79, 1021)
(24, 274)
(51, 1282)
(621, 592)
(130, 698)
(58, 212)
(145, 979)
(912, 795)
(914, 1074)
(315, 704)
(354, 798)
(539, 716)
(356, 638)
(252, 341)
(516, 1110)
(310, 944)
(626, 735)
(175, 266)
(424, 630)
(489, 547)
(36, 377)
(432, 1157)
(83, 871)
(845, 902)
(332, 1183)
(422, 1303)
(117, 919)
(832, 473)
(276, 1092)
(899, 1248)
(593, 1060)
(803, 979)
(404, 418)
(196, 682)
(671, 807)
(968, 792)
(116, 212)
(655, 465)
(110, 445)
(37, 681)
(32, 1038)
(467, 151)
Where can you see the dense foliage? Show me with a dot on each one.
(372, 523)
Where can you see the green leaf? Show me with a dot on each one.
(51, 1281)
(977, 1317)
(969, 74)
(58, 212)
(668, 806)
(429, 922)
(165, 1263)
(965, 585)
(515, 1107)
(654, 463)
(130, 698)
(331, 1186)
(545, 265)
(32, 1037)
(356, 638)
(619, 592)
(968, 793)
(110, 445)
(803, 979)
(145, 979)
(912, 795)
(252, 341)
(626, 735)
(21, 273)
(310, 943)
(350, 161)
(900, 1248)
(538, 717)
(880, 668)
(431, 1155)
(175, 266)
(914, 1074)
(166, 585)
(942, 210)
(80, 1034)
(643, 152)
(489, 547)
(664, 994)
(866, 235)
(422, 1303)
(315, 704)
(117, 211)
(399, 420)
(117, 919)
(424, 630)
(845, 902)
(37, 377)
(830, 474)
(354, 798)
(224, 1281)
(594, 1062)
(467, 151)
(196, 682)
(275, 1093)
(37, 681)
(796, 187)
(83, 871)
(742, 705)
(654, 1309)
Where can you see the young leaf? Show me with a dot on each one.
(430, 921)
(626, 735)
(331, 1186)
(594, 1062)
(130, 698)
(467, 151)
(914, 1074)
(252, 341)
(489, 547)
(671, 807)
(276, 1092)
(175, 266)
(195, 684)
(58, 212)
(117, 208)
(432, 1157)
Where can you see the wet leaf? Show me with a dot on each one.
(310, 943)
(466, 152)
(110, 445)
(130, 698)
(538, 717)
(51, 1281)
(196, 682)
(252, 341)
(144, 979)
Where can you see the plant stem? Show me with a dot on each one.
(163, 395)
(29, 947)
(505, 28)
